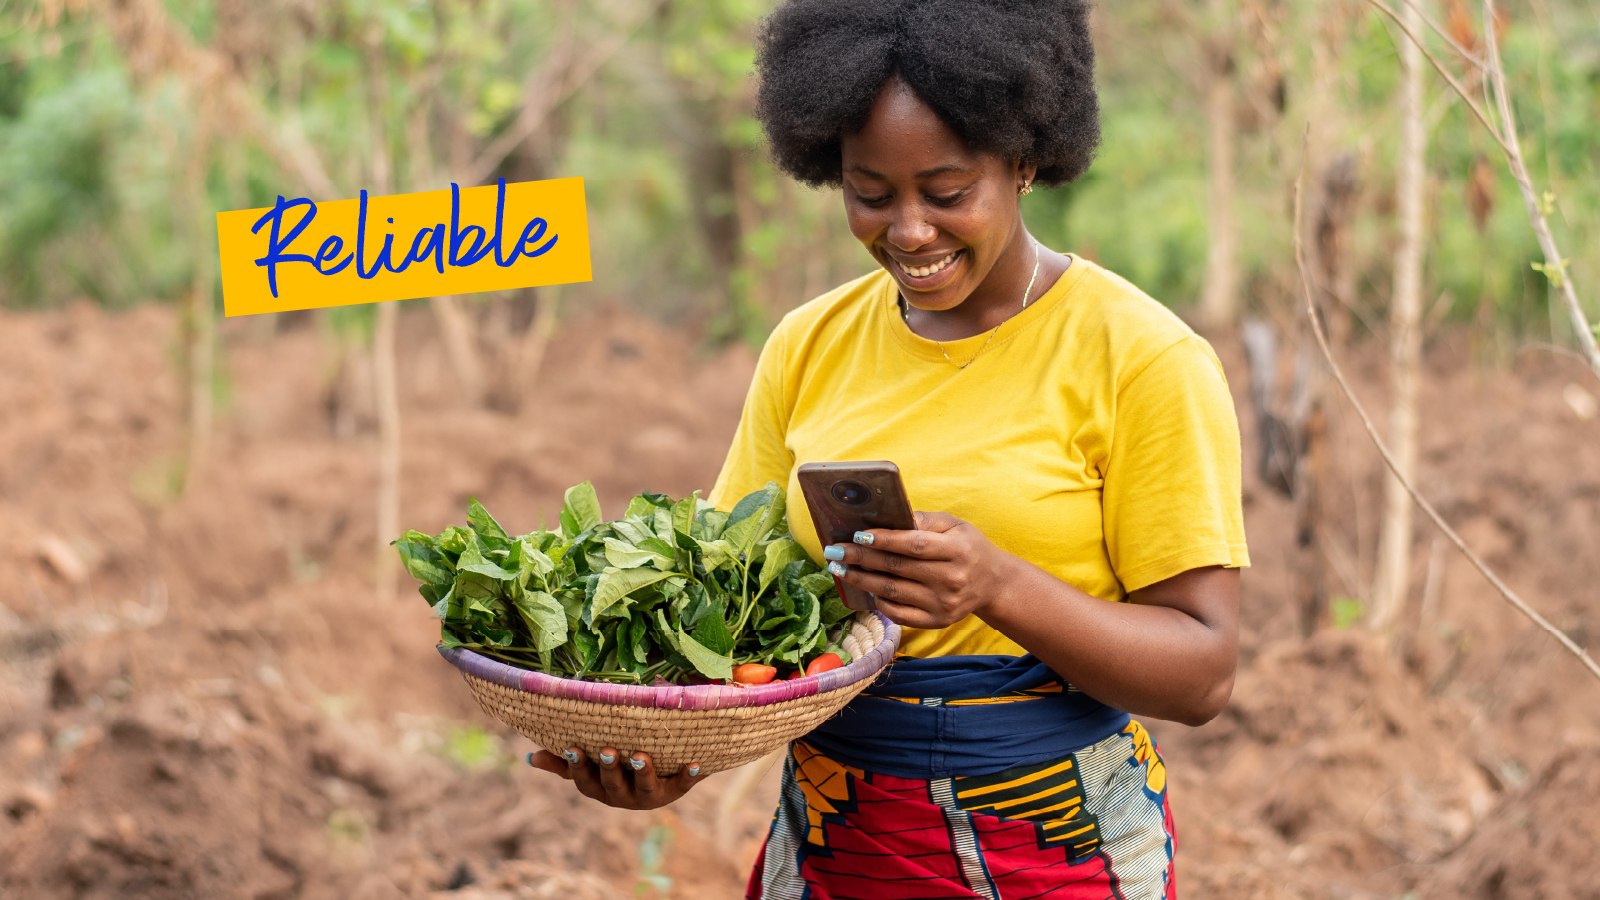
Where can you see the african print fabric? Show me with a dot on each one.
(1089, 822)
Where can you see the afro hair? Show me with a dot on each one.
(1011, 77)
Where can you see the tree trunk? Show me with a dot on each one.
(383, 337)
(1405, 340)
(460, 347)
(1219, 298)
(383, 371)
(200, 321)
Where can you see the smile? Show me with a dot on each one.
(932, 269)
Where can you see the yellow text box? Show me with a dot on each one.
(298, 254)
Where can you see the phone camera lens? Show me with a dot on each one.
(852, 493)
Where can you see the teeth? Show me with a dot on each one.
(925, 271)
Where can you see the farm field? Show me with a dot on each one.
(202, 696)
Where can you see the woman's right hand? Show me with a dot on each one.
(626, 783)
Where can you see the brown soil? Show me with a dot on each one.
(201, 695)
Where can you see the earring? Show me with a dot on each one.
(1026, 189)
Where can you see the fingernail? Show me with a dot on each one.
(638, 764)
(607, 759)
(832, 552)
(837, 568)
(571, 755)
(694, 771)
(864, 538)
(528, 759)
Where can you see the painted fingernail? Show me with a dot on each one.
(837, 568)
(607, 759)
(694, 771)
(864, 538)
(638, 764)
(528, 759)
(832, 552)
(571, 756)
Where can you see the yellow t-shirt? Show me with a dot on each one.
(1094, 437)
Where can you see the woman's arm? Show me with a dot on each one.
(1169, 652)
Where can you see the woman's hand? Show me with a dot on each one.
(930, 577)
(626, 783)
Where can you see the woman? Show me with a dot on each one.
(1076, 442)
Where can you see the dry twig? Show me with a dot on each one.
(1505, 135)
(1388, 459)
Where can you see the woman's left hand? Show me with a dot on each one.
(930, 577)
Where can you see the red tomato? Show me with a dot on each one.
(824, 663)
(753, 673)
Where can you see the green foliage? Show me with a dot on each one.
(473, 749)
(652, 860)
(688, 218)
(57, 190)
(675, 589)
(1346, 612)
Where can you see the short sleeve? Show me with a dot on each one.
(1172, 495)
(759, 452)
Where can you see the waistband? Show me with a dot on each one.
(964, 715)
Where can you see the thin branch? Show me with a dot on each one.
(1383, 449)
(1433, 26)
(537, 107)
(1505, 134)
(1471, 103)
(155, 44)
(1541, 227)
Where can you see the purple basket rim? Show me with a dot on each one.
(678, 696)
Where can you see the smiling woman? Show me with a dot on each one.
(1072, 442)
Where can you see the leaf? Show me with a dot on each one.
(712, 631)
(580, 507)
(472, 561)
(634, 531)
(834, 611)
(661, 524)
(587, 644)
(484, 524)
(709, 523)
(547, 621)
(683, 514)
(810, 624)
(780, 553)
(616, 584)
(817, 583)
(754, 516)
(638, 507)
(625, 556)
(637, 639)
(441, 605)
(705, 661)
(534, 561)
(454, 541)
(423, 560)
(662, 549)
(667, 632)
(716, 554)
(477, 588)
(695, 603)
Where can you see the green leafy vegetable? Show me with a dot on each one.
(675, 590)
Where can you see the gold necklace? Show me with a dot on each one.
(905, 315)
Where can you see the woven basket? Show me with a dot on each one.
(715, 725)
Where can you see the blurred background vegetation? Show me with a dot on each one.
(125, 123)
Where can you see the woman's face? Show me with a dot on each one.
(935, 214)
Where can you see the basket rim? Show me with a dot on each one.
(678, 696)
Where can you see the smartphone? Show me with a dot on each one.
(847, 497)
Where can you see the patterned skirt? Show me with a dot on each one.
(1092, 823)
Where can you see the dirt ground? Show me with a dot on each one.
(202, 695)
